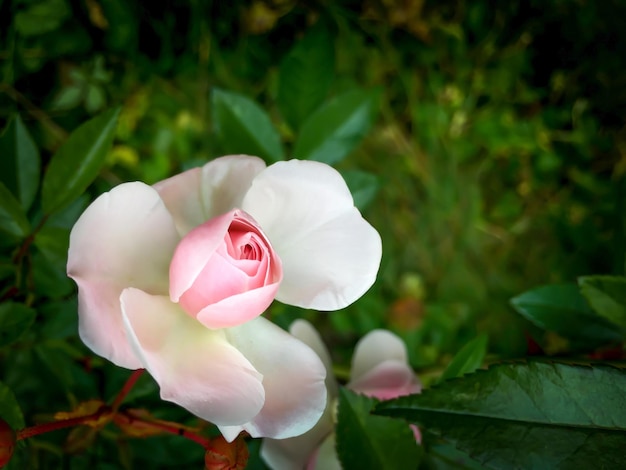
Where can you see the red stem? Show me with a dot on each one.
(126, 389)
(66, 423)
(173, 429)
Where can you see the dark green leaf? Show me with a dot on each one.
(10, 409)
(607, 296)
(372, 442)
(13, 221)
(53, 242)
(19, 162)
(49, 278)
(305, 75)
(527, 415)
(363, 187)
(15, 320)
(77, 163)
(41, 17)
(244, 127)
(468, 359)
(336, 128)
(562, 308)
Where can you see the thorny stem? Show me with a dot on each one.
(66, 423)
(126, 389)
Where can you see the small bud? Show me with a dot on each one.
(7, 443)
(222, 455)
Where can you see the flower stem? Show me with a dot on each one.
(66, 423)
(126, 389)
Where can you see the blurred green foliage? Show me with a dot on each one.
(486, 144)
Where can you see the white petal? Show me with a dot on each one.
(295, 452)
(305, 332)
(125, 238)
(330, 254)
(375, 348)
(195, 367)
(200, 194)
(327, 458)
(293, 378)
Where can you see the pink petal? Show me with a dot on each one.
(212, 286)
(238, 309)
(200, 194)
(195, 367)
(194, 251)
(389, 379)
(293, 378)
(125, 238)
(330, 254)
(374, 348)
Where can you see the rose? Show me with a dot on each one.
(174, 277)
(379, 369)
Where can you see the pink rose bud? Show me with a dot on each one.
(225, 262)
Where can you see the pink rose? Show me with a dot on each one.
(173, 278)
(379, 369)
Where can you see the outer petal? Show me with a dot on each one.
(200, 194)
(294, 453)
(330, 254)
(374, 348)
(195, 367)
(326, 457)
(293, 378)
(125, 238)
(305, 332)
(389, 379)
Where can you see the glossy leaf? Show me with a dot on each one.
(562, 308)
(13, 221)
(527, 415)
(468, 359)
(362, 185)
(78, 161)
(15, 320)
(372, 442)
(336, 128)
(244, 127)
(607, 296)
(20, 162)
(305, 75)
(10, 409)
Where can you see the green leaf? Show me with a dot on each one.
(527, 415)
(15, 320)
(53, 242)
(336, 128)
(10, 409)
(468, 359)
(362, 185)
(19, 162)
(562, 308)
(305, 75)
(78, 161)
(372, 442)
(13, 221)
(607, 296)
(41, 17)
(244, 127)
